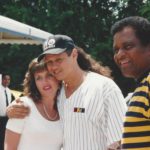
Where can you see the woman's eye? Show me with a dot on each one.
(49, 75)
(37, 78)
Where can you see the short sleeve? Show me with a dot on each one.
(116, 108)
(17, 125)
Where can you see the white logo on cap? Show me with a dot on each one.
(49, 44)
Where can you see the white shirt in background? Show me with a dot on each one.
(3, 99)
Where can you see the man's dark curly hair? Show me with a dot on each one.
(139, 24)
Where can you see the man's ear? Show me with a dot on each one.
(74, 53)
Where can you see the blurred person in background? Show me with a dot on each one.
(6, 97)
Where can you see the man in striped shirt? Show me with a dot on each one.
(132, 54)
(91, 106)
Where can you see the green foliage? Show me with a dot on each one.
(145, 10)
(88, 22)
(15, 59)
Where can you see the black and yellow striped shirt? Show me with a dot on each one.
(136, 131)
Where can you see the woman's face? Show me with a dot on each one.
(46, 83)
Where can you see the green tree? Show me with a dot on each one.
(88, 22)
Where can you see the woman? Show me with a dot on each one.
(41, 129)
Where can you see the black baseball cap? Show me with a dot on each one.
(56, 44)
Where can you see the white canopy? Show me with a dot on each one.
(14, 32)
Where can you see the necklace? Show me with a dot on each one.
(48, 116)
(70, 89)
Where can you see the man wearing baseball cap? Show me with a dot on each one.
(90, 105)
(56, 45)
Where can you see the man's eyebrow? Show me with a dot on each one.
(48, 61)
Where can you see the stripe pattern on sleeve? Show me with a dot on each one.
(136, 133)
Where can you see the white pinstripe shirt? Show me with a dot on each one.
(93, 114)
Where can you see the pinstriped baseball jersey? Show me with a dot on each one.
(93, 114)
